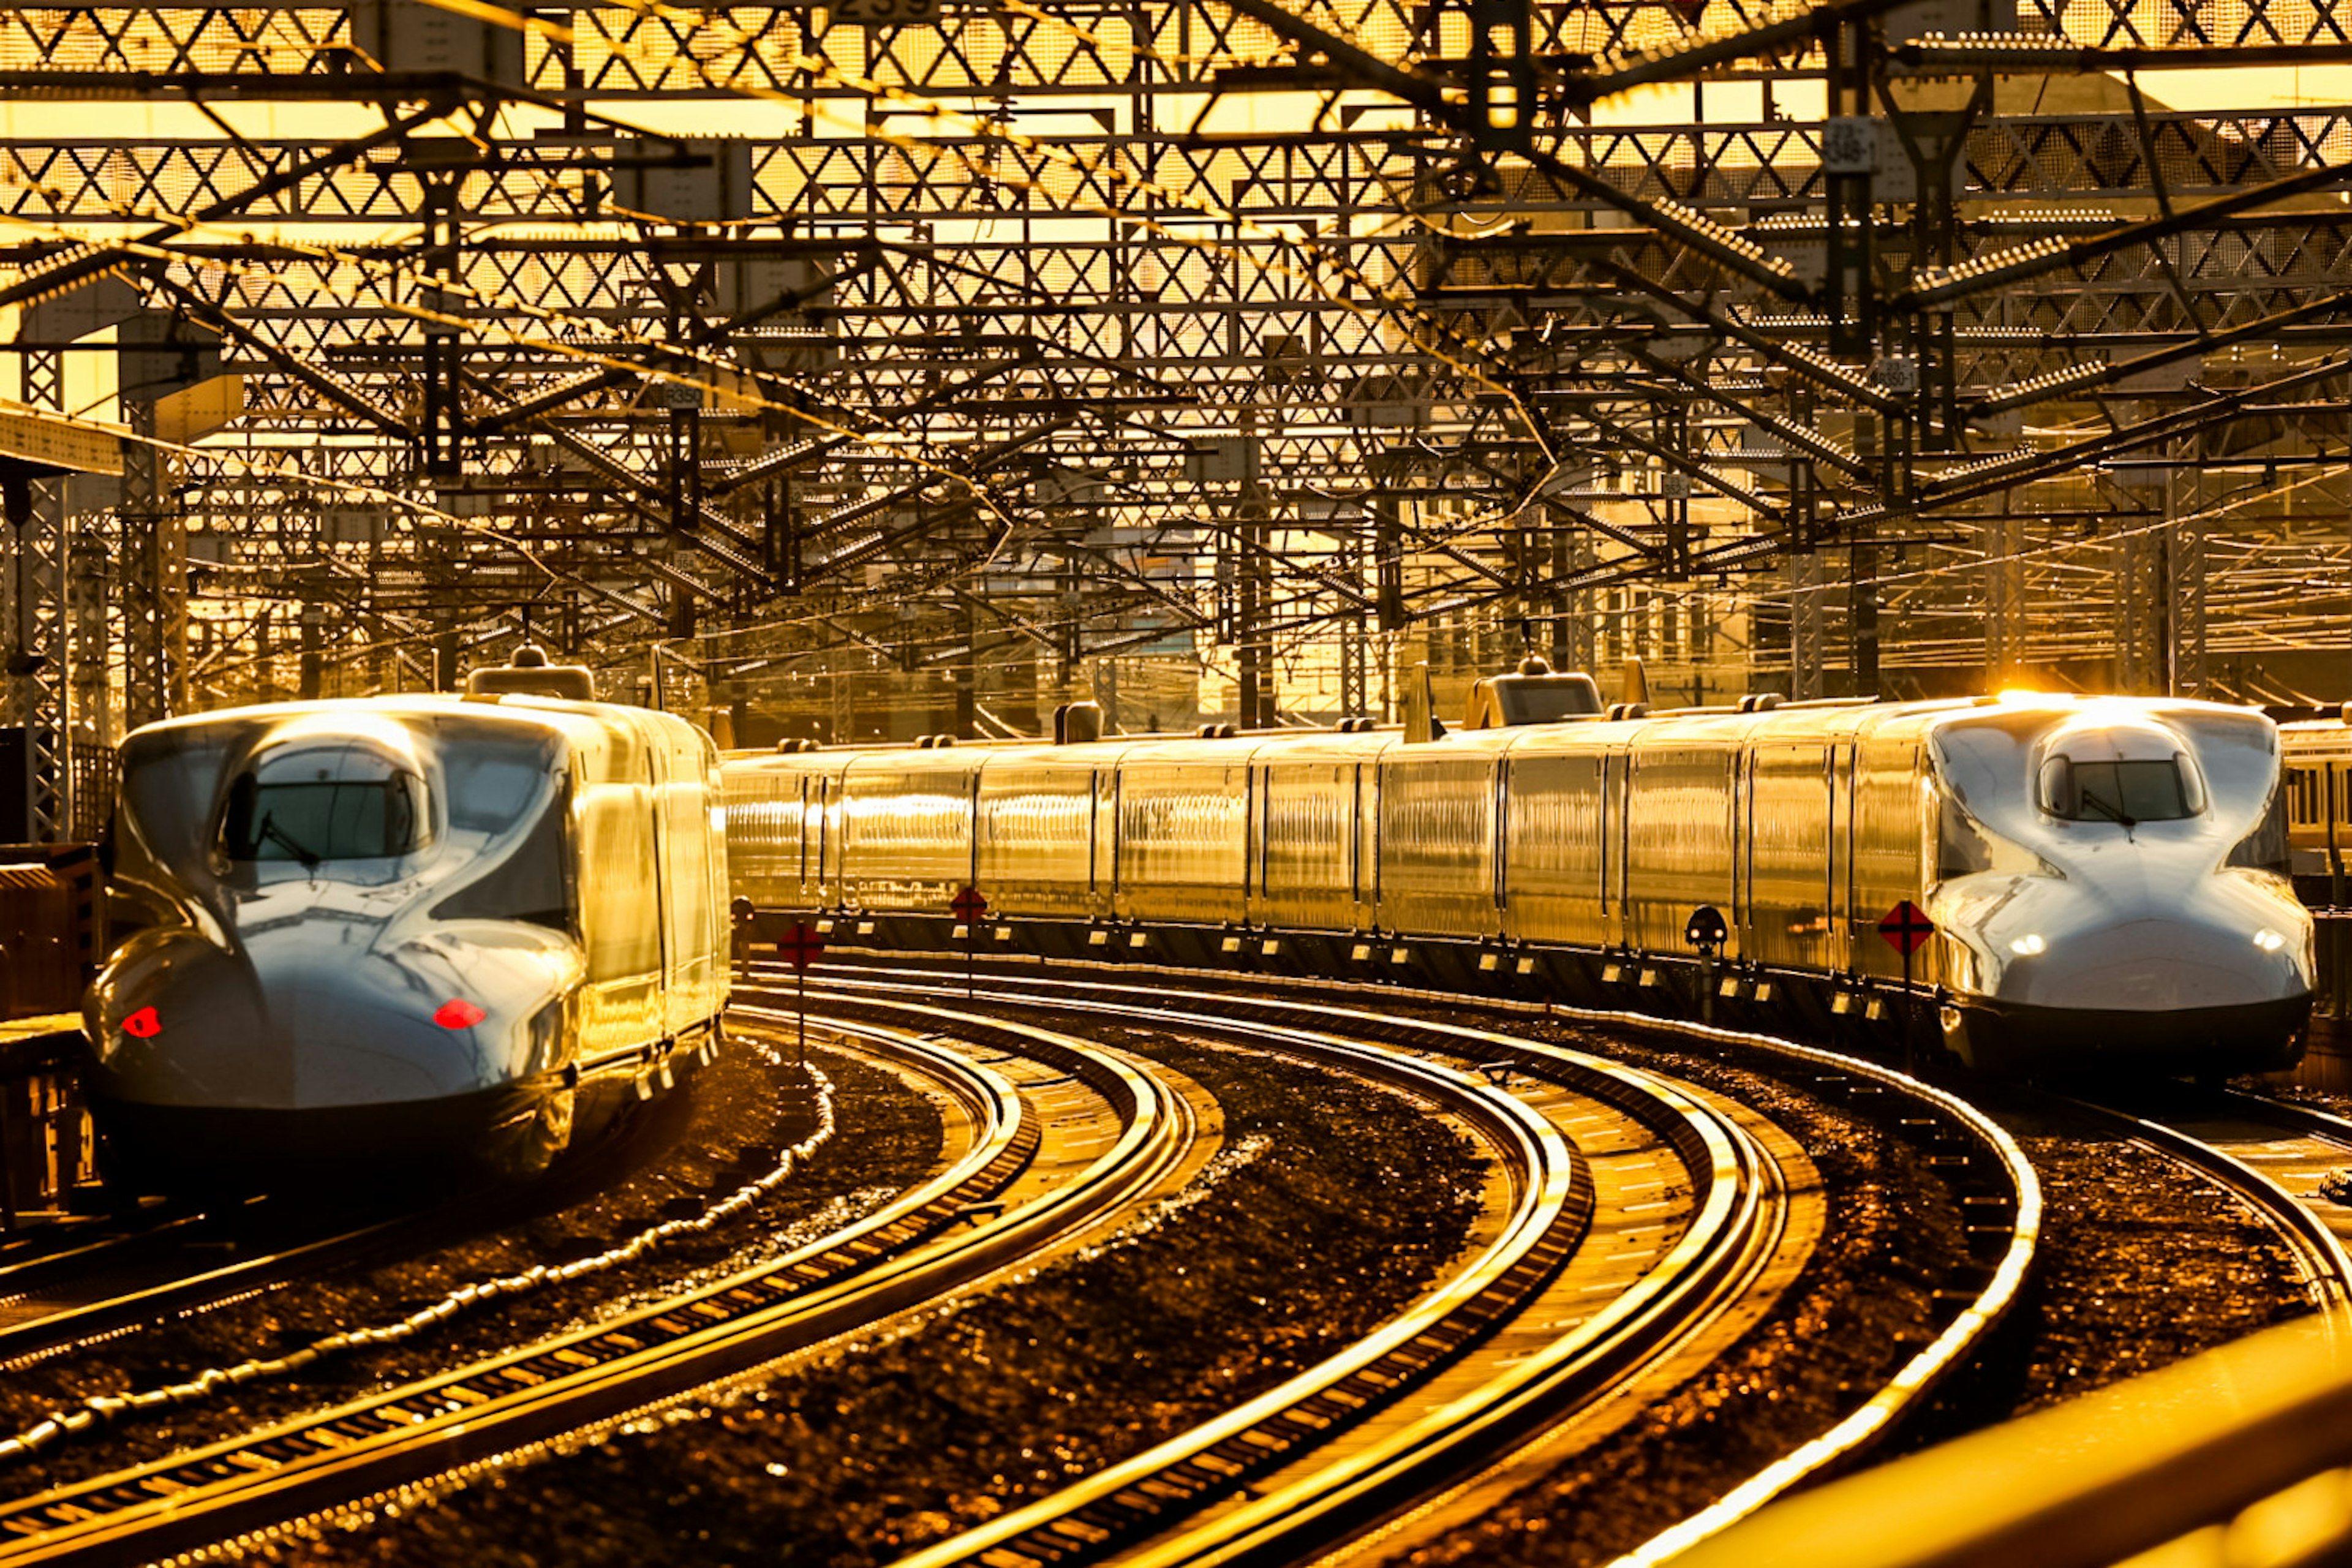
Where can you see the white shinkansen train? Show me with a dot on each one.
(2105, 876)
(403, 930)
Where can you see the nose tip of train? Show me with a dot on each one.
(190, 1023)
(2224, 979)
(2169, 963)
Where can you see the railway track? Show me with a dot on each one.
(189, 1264)
(1087, 1135)
(1655, 1285)
(2273, 1156)
(178, 1258)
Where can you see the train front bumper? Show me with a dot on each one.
(409, 1144)
(2013, 1038)
(2187, 974)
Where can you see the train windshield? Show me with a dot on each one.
(2126, 792)
(316, 821)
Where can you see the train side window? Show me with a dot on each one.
(532, 884)
(491, 788)
(2265, 848)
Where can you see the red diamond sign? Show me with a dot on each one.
(1906, 927)
(969, 905)
(801, 947)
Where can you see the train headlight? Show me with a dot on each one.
(2268, 940)
(142, 1024)
(459, 1013)
(2027, 946)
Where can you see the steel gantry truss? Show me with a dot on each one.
(911, 363)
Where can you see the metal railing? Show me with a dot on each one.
(2232, 1458)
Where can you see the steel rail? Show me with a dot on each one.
(35, 1336)
(310, 1468)
(1553, 1207)
(2319, 1251)
(2005, 1216)
(34, 1264)
(27, 1336)
(1717, 1255)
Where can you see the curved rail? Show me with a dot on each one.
(300, 1471)
(1720, 1251)
(36, 1329)
(2273, 1156)
(1990, 1174)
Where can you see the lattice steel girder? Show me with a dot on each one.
(1763, 168)
(1080, 49)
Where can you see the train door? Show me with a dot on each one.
(1838, 862)
(1502, 838)
(1355, 845)
(1099, 782)
(1616, 778)
(1253, 837)
(801, 828)
(971, 813)
(1741, 916)
(656, 779)
(825, 851)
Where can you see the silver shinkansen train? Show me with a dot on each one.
(401, 930)
(2105, 876)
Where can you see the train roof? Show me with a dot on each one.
(573, 721)
(1834, 720)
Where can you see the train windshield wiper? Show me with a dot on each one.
(2113, 813)
(286, 841)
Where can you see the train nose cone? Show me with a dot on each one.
(371, 1028)
(2162, 965)
(2147, 937)
(285, 1025)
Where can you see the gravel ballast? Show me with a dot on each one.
(1331, 1206)
(690, 1150)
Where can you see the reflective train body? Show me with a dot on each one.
(2105, 876)
(401, 929)
(2319, 805)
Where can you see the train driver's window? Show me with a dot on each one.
(317, 819)
(2120, 791)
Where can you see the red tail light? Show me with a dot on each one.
(459, 1013)
(143, 1025)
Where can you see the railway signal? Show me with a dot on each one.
(968, 904)
(1706, 931)
(1906, 927)
(801, 947)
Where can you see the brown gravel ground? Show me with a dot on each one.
(1332, 1204)
(688, 1150)
(2143, 1263)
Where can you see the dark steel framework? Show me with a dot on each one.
(1001, 355)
